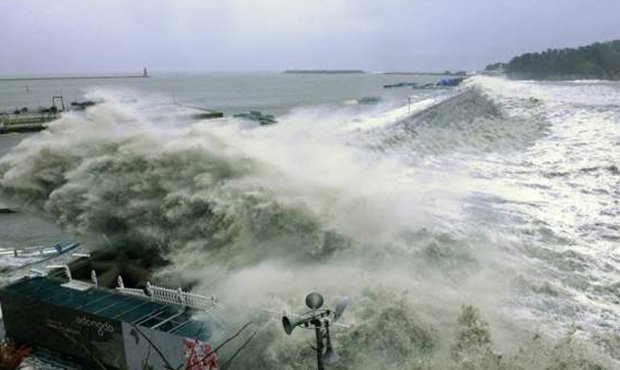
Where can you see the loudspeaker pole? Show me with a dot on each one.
(317, 318)
(319, 347)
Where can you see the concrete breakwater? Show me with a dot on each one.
(52, 78)
(145, 74)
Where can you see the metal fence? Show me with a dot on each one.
(170, 296)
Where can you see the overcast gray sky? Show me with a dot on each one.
(55, 36)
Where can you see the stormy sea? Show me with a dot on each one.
(476, 227)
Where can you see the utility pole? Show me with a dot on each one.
(319, 348)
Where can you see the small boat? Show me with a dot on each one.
(82, 105)
(19, 259)
(450, 82)
(201, 113)
(441, 84)
(400, 84)
(368, 100)
(254, 115)
(58, 248)
(427, 86)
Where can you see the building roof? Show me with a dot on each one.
(112, 305)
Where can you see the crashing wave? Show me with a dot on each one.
(261, 217)
(470, 122)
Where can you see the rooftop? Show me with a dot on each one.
(112, 305)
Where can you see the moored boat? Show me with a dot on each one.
(257, 116)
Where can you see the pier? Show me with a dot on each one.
(52, 78)
(25, 120)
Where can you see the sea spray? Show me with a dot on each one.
(262, 215)
(470, 122)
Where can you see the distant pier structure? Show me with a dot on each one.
(145, 74)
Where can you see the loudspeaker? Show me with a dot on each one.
(290, 324)
(330, 357)
(314, 301)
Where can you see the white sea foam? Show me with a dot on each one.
(502, 196)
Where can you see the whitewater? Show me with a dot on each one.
(477, 228)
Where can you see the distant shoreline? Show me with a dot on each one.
(597, 61)
(325, 71)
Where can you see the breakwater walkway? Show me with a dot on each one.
(145, 74)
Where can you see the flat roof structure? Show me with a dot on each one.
(112, 305)
(94, 325)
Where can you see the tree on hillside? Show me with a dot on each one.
(596, 61)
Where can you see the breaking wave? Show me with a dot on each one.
(260, 216)
(472, 121)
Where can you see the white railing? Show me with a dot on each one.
(170, 296)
